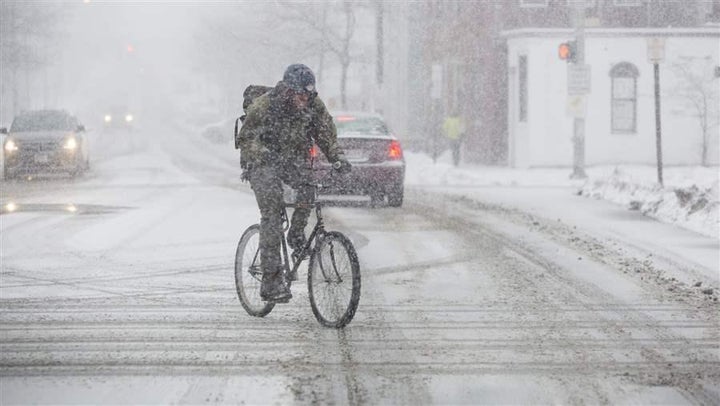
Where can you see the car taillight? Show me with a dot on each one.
(394, 151)
(314, 151)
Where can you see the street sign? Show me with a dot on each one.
(655, 50)
(578, 80)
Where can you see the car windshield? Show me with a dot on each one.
(42, 121)
(363, 125)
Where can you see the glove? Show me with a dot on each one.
(342, 166)
(245, 176)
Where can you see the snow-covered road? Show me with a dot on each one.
(118, 288)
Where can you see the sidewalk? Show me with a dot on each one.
(550, 194)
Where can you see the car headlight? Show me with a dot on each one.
(70, 143)
(129, 118)
(108, 118)
(10, 146)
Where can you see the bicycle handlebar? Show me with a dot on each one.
(320, 183)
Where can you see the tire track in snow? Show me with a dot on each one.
(552, 283)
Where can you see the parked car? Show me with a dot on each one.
(376, 155)
(45, 141)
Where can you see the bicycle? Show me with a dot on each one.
(333, 274)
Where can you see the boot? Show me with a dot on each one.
(274, 288)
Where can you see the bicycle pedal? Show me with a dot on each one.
(282, 300)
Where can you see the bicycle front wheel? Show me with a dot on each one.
(248, 274)
(334, 280)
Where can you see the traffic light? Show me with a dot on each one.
(567, 51)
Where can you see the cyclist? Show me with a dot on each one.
(278, 133)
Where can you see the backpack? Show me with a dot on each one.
(251, 93)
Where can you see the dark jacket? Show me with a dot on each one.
(275, 133)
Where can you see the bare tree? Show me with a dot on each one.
(699, 90)
(237, 44)
(230, 54)
(328, 27)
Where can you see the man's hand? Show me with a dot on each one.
(342, 166)
(245, 176)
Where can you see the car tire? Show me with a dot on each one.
(395, 197)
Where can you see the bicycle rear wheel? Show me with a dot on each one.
(248, 274)
(334, 280)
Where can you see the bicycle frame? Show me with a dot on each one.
(333, 261)
(317, 231)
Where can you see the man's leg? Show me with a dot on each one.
(456, 152)
(305, 197)
(269, 196)
(296, 234)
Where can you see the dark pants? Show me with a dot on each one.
(266, 182)
(455, 146)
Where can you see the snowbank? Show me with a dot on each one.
(689, 198)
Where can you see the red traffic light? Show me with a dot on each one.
(564, 51)
(567, 51)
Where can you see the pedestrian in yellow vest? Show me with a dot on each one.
(454, 130)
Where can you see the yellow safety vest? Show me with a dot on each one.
(453, 128)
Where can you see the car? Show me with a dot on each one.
(45, 141)
(119, 117)
(220, 132)
(378, 164)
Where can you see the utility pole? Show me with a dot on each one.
(658, 132)
(436, 97)
(579, 120)
(379, 60)
(656, 54)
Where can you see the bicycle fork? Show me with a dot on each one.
(333, 262)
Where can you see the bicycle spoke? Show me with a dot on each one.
(334, 281)
(248, 273)
(332, 261)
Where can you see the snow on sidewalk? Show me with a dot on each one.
(550, 194)
(689, 198)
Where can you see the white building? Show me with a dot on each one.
(620, 113)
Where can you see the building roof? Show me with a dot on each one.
(709, 31)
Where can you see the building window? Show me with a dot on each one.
(533, 3)
(624, 97)
(522, 88)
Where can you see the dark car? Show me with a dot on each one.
(376, 155)
(45, 141)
